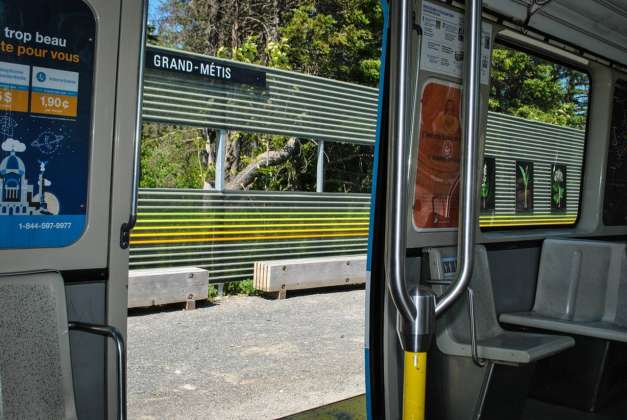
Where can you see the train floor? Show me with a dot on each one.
(349, 409)
(538, 410)
(354, 409)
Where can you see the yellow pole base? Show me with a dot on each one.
(414, 386)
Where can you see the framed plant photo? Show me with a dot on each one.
(524, 185)
(558, 187)
(488, 185)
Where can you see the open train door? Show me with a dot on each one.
(69, 100)
(425, 195)
(441, 341)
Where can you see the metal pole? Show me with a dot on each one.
(220, 160)
(396, 217)
(320, 167)
(468, 193)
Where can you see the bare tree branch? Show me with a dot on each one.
(246, 176)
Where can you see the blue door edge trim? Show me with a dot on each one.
(373, 197)
(368, 385)
(375, 169)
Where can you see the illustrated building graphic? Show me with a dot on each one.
(16, 194)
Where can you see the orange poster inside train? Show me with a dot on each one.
(436, 202)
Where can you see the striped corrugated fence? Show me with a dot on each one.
(510, 139)
(312, 107)
(226, 233)
(293, 104)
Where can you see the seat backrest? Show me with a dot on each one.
(35, 370)
(578, 280)
(457, 319)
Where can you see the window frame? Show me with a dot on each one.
(619, 83)
(563, 61)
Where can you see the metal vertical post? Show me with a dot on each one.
(220, 160)
(320, 167)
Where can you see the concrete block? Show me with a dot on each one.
(159, 286)
(306, 273)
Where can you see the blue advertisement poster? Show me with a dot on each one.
(46, 77)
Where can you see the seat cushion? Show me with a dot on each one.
(506, 346)
(517, 347)
(596, 329)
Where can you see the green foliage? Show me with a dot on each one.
(170, 157)
(296, 174)
(212, 292)
(236, 288)
(349, 169)
(339, 39)
(247, 52)
(529, 87)
(244, 287)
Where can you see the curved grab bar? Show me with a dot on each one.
(474, 351)
(468, 193)
(120, 350)
(396, 213)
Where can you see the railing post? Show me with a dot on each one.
(220, 160)
(320, 167)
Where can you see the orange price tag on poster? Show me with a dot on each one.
(436, 202)
(54, 104)
(14, 87)
(54, 92)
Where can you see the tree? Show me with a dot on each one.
(530, 87)
(339, 39)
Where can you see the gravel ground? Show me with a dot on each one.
(246, 357)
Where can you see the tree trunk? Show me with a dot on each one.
(274, 28)
(210, 146)
(233, 149)
(246, 176)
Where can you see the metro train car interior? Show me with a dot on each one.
(498, 237)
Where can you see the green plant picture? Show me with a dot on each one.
(488, 184)
(558, 187)
(524, 186)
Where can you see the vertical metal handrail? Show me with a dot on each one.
(125, 230)
(397, 184)
(468, 193)
(474, 351)
(116, 336)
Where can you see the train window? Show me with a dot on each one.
(615, 202)
(534, 147)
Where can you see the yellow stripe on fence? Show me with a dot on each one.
(269, 219)
(243, 238)
(522, 221)
(240, 232)
(259, 225)
(364, 212)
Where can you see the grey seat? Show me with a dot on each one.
(493, 343)
(581, 290)
(35, 369)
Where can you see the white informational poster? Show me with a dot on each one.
(442, 49)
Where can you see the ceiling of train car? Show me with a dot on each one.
(599, 26)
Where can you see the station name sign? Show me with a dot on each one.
(218, 70)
